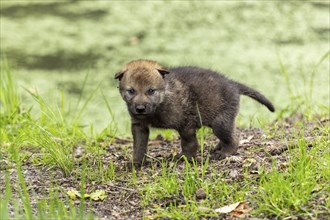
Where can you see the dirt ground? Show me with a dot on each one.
(123, 201)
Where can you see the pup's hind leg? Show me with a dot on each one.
(224, 128)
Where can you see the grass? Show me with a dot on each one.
(50, 138)
(287, 193)
(50, 134)
(48, 207)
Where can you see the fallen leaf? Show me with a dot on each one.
(203, 209)
(227, 209)
(73, 194)
(238, 209)
(98, 195)
(241, 210)
(86, 196)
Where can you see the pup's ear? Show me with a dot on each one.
(163, 72)
(119, 75)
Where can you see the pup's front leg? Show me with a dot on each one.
(189, 143)
(140, 133)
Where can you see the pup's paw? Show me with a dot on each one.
(220, 152)
(219, 155)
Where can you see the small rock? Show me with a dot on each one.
(120, 157)
(78, 151)
(233, 173)
(200, 194)
(159, 137)
(203, 209)
(234, 159)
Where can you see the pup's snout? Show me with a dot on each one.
(140, 109)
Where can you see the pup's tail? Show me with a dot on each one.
(245, 90)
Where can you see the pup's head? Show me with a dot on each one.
(142, 86)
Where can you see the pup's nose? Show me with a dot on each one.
(140, 108)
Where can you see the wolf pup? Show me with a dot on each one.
(184, 99)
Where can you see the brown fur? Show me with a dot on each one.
(184, 99)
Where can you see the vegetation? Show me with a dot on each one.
(64, 128)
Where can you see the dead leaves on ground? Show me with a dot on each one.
(238, 209)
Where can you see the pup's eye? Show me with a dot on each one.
(131, 91)
(151, 91)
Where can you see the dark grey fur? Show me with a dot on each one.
(192, 97)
